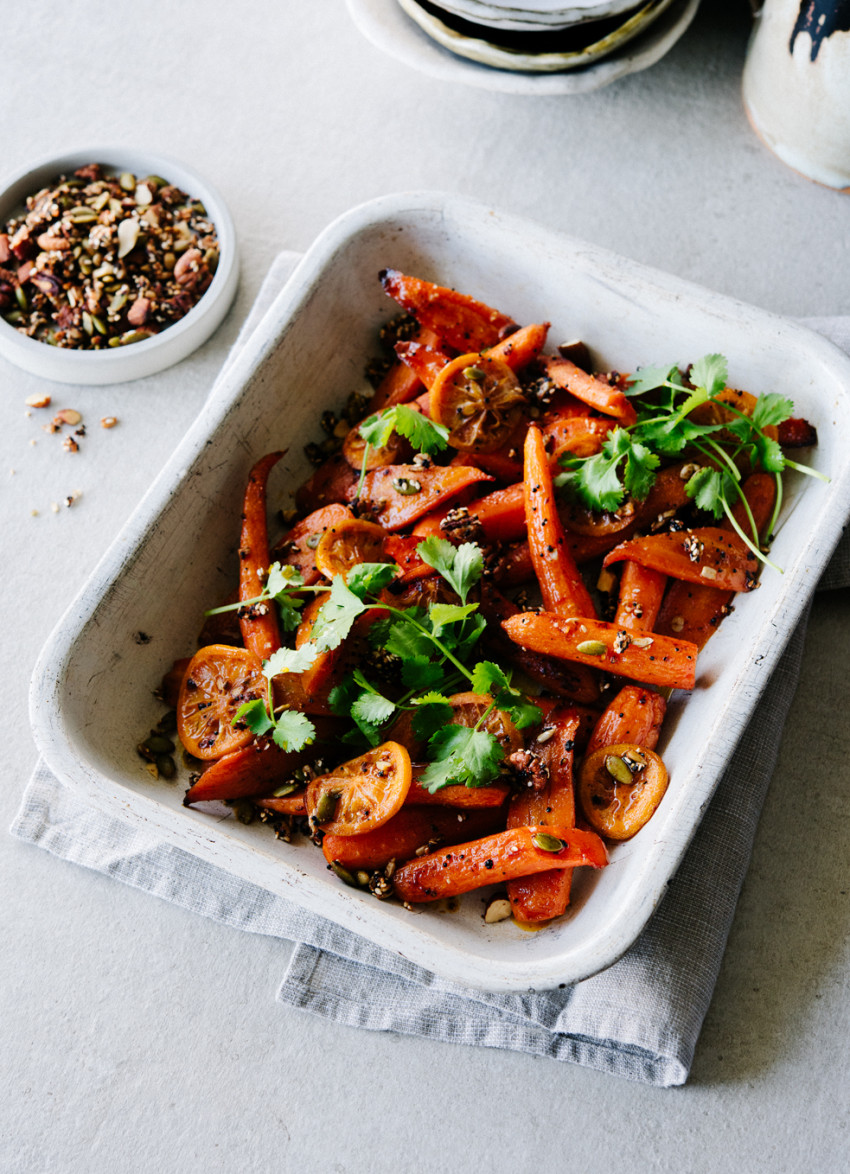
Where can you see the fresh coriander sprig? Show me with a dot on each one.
(627, 463)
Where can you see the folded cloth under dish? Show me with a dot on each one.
(640, 1018)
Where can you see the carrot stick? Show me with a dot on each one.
(458, 796)
(561, 584)
(594, 392)
(522, 347)
(655, 659)
(580, 436)
(258, 624)
(635, 716)
(400, 385)
(502, 513)
(641, 592)
(408, 830)
(333, 481)
(706, 555)
(458, 320)
(426, 362)
(394, 509)
(496, 858)
(547, 894)
(294, 804)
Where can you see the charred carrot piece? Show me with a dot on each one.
(694, 610)
(522, 347)
(333, 481)
(635, 716)
(259, 625)
(706, 555)
(502, 513)
(468, 798)
(652, 658)
(400, 385)
(404, 834)
(565, 680)
(298, 546)
(641, 592)
(254, 770)
(398, 495)
(459, 321)
(796, 433)
(561, 584)
(500, 857)
(426, 362)
(547, 894)
(294, 804)
(594, 392)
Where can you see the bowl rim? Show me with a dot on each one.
(55, 739)
(182, 337)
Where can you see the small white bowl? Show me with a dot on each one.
(121, 364)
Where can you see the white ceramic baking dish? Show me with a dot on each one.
(91, 698)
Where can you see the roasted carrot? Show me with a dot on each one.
(500, 857)
(655, 659)
(707, 555)
(522, 347)
(400, 385)
(561, 584)
(333, 481)
(635, 715)
(694, 610)
(464, 797)
(796, 433)
(641, 592)
(502, 513)
(580, 436)
(400, 494)
(254, 770)
(411, 829)
(458, 320)
(594, 392)
(426, 362)
(547, 894)
(294, 804)
(258, 623)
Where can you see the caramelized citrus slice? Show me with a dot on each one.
(619, 789)
(218, 680)
(347, 543)
(479, 400)
(362, 794)
(468, 708)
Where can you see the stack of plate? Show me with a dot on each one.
(547, 46)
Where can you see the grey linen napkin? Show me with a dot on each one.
(639, 1019)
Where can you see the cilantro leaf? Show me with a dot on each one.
(372, 708)
(486, 675)
(462, 755)
(770, 454)
(370, 578)
(407, 642)
(290, 660)
(520, 710)
(422, 674)
(461, 566)
(709, 488)
(337, 615)
(443, 614)
(433, 712)
(649, 378)
(771, 409)
(255, 716)
(293, 730)
(710, 373)
(425, 435)
(597, 483)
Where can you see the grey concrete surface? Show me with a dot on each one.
(139, 1038)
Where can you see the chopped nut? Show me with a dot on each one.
(37, 400)
(708, 573)
(499, 909)
(70, 444)
(67, 416)
(677, 623)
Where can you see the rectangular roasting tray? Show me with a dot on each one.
(91, 695)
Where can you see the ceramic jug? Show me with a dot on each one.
(797, 86)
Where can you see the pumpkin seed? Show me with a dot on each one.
(82, 215)
(117, 303)
(88, 325)
(166, 766)
(591, 648)
(244, 810)
(98, 324)
(127, 181)
(547, 843)
(326, 807)
(344, 875)
(406, 486)
(131, 336)
(617, 769)
(15, 317)
(473, 373)
(285, 789)
(314, 540)
(363, 878)
(21, 297)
